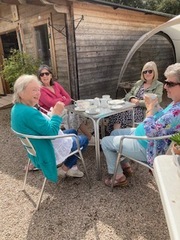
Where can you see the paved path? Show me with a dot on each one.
(69, 210)
(5, 101)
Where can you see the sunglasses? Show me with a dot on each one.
(147, 71)
(171, 84)
(45, 73)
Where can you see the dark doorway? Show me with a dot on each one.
(9, 42)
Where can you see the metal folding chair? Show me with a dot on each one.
(30, 149)
(140, 162)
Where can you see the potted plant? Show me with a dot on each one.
(176, 143)
(17, 64)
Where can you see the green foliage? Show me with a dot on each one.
(166, 6)
(176, 138)
(17, 64)
(130, 3)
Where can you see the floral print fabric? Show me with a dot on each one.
(125, 118)
(164, 122)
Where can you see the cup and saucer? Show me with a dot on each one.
(93, 111)
(81, 105)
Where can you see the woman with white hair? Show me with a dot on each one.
(158, 122)
(26, 119)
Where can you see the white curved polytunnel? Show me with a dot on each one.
(171, 28)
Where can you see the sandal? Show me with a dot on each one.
(117, 183)
(31, 168)
(151, 172)
(127, 171)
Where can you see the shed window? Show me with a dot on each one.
(42, 43)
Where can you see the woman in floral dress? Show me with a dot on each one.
(147, 84)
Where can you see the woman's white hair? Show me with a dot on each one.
(173, 70)
(21, 83)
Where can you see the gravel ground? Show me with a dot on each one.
(69, 209)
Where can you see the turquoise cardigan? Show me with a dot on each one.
(29, 120)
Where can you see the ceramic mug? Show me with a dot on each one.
(104, 102)
(82, 104)
(108, 97)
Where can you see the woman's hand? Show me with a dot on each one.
(151, 104)
(58, 108)
(135, 101)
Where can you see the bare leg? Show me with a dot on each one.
(85, 130)
(117, 126)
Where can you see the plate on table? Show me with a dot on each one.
(96, 111)
(116, 102)
(114, 107)
(79, 109)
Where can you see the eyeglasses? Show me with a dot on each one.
(171, 84)
(45, 73)
(147, 71)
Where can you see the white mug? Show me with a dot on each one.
(97, 102)
(104, 102)
(106, 97)
(82, 104)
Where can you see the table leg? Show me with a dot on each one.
(97, 147)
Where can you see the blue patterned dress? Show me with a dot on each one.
(164, 122)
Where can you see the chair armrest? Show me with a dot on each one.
(49, 137)
(141, 138)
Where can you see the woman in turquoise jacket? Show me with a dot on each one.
(147, 84)
(26, 119)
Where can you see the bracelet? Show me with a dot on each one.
(149, 110)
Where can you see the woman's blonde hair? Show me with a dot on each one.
(150, 66)
(21, 83)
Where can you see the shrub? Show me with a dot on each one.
(17, 64)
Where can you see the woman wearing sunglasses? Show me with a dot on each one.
(158, 122)
(147, 84)
(51, 93)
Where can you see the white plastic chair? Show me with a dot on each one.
(30, 149)
(140, 162)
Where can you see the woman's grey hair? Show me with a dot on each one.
(21, 83)
(48, 69)
(150, 66)
(173, 71)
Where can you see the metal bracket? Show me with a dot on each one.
(80, 19)
(61, 30)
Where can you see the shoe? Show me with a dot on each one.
(92, 141)
(74, 173)
(61, 172)
(31, 168)
(117, 183)
(127, 171)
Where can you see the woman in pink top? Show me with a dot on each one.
(52, 92)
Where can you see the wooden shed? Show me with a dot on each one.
(85, 41)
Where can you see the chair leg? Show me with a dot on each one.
(115, 171)
(85, 169)
(41, 193)
(26, 173)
